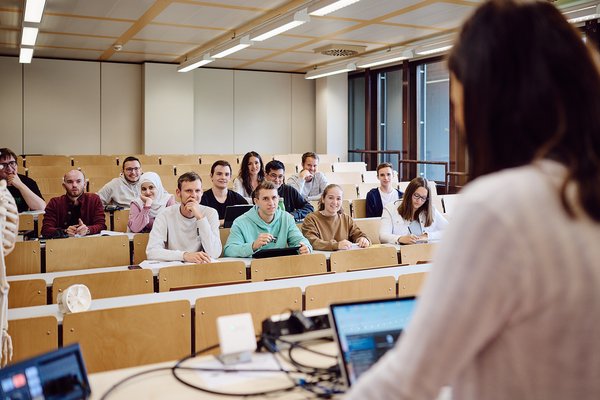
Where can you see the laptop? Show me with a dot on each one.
(276, 252)
(59, 374)
(232, 212)
(365, 330)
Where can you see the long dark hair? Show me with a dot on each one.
(405, 209)
(244, 173)
(531, 90)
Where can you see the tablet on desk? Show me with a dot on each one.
(286, 251)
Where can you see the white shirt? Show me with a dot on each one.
(393, 225)
(120, 191)
(510, 308)
(173, 234)
(387, 198)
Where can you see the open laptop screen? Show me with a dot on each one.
(232, 212)
(365, 330)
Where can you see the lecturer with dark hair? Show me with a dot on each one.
(510, 307)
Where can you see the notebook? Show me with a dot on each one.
(232, 212)
(365, 330)
(59, 374)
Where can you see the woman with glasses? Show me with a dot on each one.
(251, 174)
(329, 228)
(153, 199)
(412, 219)
(510, 307)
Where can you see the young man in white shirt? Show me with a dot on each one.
(378, 198)
(123, 190)
(187, 231)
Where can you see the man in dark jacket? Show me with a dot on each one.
(293, 201)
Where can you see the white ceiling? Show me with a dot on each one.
(171, 30)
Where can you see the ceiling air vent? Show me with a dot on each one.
(340, 50)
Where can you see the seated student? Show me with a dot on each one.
(75, 212)
(187, 231)
(22, 188)
(153, 199)
(293, 201)
(219, 197)
(251, 174)
(123, 190)
(413, 219)
(329, 228)
(377, 198)
(309, 182)
(265, 226)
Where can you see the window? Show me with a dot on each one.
(356, 116)
(433, 118)
(389, 114)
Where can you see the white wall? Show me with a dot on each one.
(11, 104)
(121, 108)
(168, 110)
(332, 115)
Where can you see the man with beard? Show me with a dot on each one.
(75, 213)
(123, 190)
(187, 231)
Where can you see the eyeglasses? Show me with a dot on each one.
(12, 164)
(132, 169)
(419, 197)
(278, 177)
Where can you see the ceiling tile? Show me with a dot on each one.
(172, 49)
(385, 34)
(177, 34)
(42, 52)
(10, 19)
(195, 14)
(121, 9)
(367, 10)
(87, 26)
(436, 15)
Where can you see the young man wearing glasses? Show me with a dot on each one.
(123, 190)
(25, 191)
(293, 201)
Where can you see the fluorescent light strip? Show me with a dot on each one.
(330, 71)
(332, 7)
(583, 19)
(243, 43)
(433, 51)
(386, 58)
(34, 10)
(277, 31)
(299, 18)
(579, 9)
(26, 55)
(200, 63)
(29, 36)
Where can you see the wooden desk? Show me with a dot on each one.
(192, 295)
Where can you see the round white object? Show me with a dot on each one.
(75, 298)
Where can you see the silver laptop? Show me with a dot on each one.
(365, 330)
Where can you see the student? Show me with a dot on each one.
(265, 226)
(123, 190)
(153, 199)
(219, 197)
(23, 189)
(509, 308)
(309, 182)
(251, 174)
(76, 213)
(379, 197)
(293, 202)
(413, 218)
(329, 228)
(187, 231)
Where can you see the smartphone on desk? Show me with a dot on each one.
(134, 267)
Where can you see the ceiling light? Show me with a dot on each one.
(29, 36)
(195, 63)
(232, 47)
(386, 58)
(433, 50)
(280, 26)
(334, 70)
(26, 55)
(328, 6)
(34, 10)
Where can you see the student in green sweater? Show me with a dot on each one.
(264, 227)
(329, 228)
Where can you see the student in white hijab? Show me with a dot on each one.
(153, 199)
